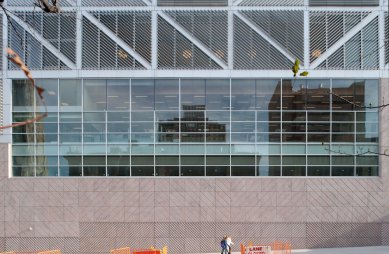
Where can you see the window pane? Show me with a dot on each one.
(23, 96)
(318, 171)
(142, 94)
(192, 171)
(243, 171)
(294, 94)
(51, 92)
(218, 94)
(268, 94)
(118, 171)
(166, 94)
(318, 96)
(142, 171)
(192, 92)
(242, 94)
(95, 95)
(70, 95)
(218, 170)
(167, 171)
(118, 94)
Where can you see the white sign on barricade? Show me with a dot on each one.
(258, 249)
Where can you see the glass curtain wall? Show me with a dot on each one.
(197, 127)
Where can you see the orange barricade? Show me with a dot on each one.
(148, 251)
(276, 247)
(125, 250)
(50, 252)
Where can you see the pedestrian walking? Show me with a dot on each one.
(229, 243)
(224, 246)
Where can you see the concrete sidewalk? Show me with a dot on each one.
(350, 250)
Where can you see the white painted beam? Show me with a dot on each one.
(154, 40)
(307, 35)
(44, 42)
(266, 36)
(193, 39)
(344, 39)
(230, 40)
(79, 38)
(116, 39)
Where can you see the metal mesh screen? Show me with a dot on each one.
(210, 27)
(344, 2)
(30, 3)
(192, 2)
(360, 52)
(272, 2)
(58, 29)
(277, 24)
(112, 3)
(102, 52)
(175, 51)
(251, 51)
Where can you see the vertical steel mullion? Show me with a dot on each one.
(331, 133)
(281, 124)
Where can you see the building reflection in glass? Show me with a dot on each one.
(192, 125)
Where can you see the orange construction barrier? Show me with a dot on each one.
(147, 251)
(50, 252)
(273, 248)
(125, 250)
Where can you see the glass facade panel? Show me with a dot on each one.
(95, 95)
(118, 95)
(70, 95)
(198, 127)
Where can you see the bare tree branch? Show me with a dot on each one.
(356, 105)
